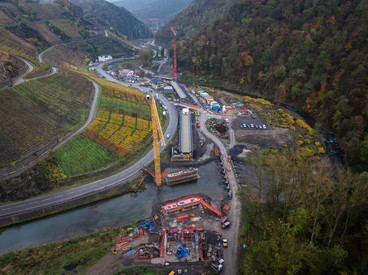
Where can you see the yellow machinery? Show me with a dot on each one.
(157, 131)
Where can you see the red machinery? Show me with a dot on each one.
(175, 75)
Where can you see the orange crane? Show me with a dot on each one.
(156, 131)
(175, 74)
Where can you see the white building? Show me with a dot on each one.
(106, 57)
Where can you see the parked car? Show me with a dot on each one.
(252, 125)
(264, 126)
(224, 242)
(241, 125)
(245, 125)
(256, 126)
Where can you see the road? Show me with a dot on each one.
(20, 78)
(162, 62)
(96, 186)
(146, 71)
(231, 255)
(91, 116)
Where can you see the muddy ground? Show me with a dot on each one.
(271, 137)
(276, 138)
(111, 264)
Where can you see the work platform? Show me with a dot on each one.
(186, 136)
(178, 89)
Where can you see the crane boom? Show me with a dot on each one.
(175, 72)
(157, 135)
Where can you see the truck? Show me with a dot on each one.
(220, 266)
(225, 225)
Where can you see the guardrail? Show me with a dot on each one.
(75, 198)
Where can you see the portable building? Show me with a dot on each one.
(216, 108)
(209, 99)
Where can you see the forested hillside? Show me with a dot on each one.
(312, 54)
(160, 10)
(197, 16)
(131, 4)
(117, 17)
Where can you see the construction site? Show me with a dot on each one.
(185, 233)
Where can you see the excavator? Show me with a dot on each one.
(182, 251)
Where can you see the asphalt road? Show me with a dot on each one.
(96, 186)
(91, 116)
(69, 136)
(231, 253)
(20, 78)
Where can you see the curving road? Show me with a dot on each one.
(96, 186)
(20, 78)
(91, 116)
(231, 255)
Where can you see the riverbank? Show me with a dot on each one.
(75, 255)
(127, 186)
(120, 210)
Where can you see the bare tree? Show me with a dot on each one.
(348, 193)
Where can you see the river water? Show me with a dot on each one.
(121, 210)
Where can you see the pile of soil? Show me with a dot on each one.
(236, 150)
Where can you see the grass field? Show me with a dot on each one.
(123, 41)
(51, 258)
(47, 10)
(44, 30)
(77, 55)
(10, 9)
(12, 44)
(35, 112)
(4, 19)
(66, 27)
(82, 155)
(121, 128)
(67, 56)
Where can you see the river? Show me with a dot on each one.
(121, 210)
